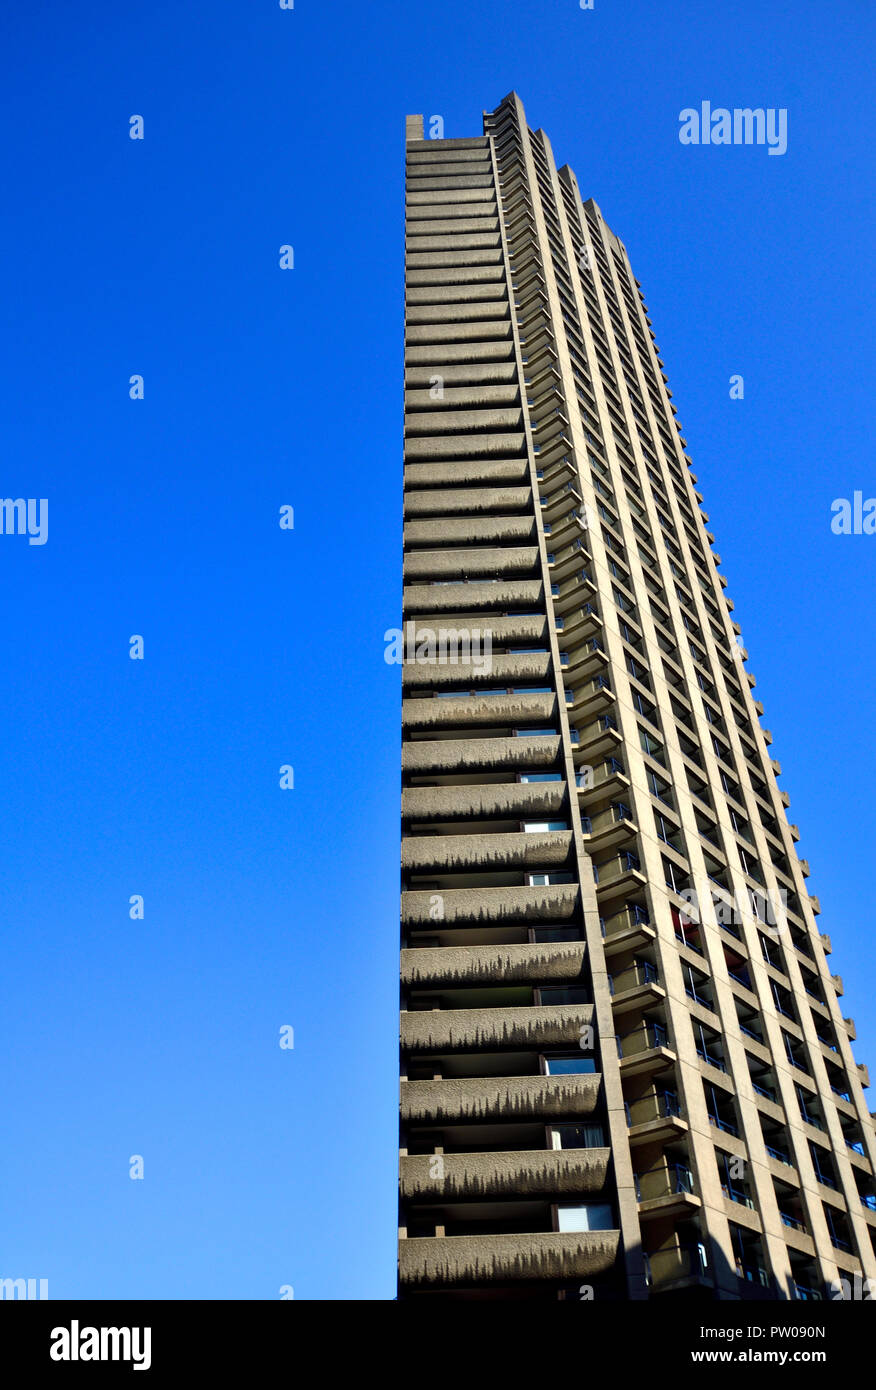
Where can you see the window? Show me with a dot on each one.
(539, 777)
(585, 1136)
(676, 878)
(554, 934)
(564, 994)
(657, 787)
(649, 744)
(532, 827)
(570, 1064)
(588, 1216)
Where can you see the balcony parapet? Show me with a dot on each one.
(512, 710)
(465, 597)
(515, 530)
(460, 852)
(493, 471)
(454, 563)
(440, 1260)
(512, 799)
(553, 902)
(486, 965)
(468, 755)
(456, 1030)
(531, 1172)
(494, 670)
(468, 502)
(532, 627)
(500, 1098)
(423, 447)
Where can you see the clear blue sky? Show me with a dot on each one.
(263, 127)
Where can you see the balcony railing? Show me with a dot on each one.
(678, 1262)
(765, 1092)
(663, 1182)
(792, 1221)
(740, 979)
(662, 1105)
(808, 1295)
(617, 811)
(726, 1125)
(710, 1059)
(620, 864)
(642, 1039)
(737, 1194)
(779, 1155)
(641, 972)
(633, 915)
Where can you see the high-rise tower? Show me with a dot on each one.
(625, 1072)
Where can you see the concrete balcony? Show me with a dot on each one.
(531, 1027)
(505, 710)
(626, 929)
(462, 397)
(463, 446)
(676, 1267)
(644, 1049)
(586, 660)
(513, 800)
(554, 902)
(447, 421)
(470, 378)
(446, 354)
(448, 218)
(609, 828)
(579, 623)
(472, 311)
(618, 877)
(498, 670)
(490, 1098)
(467, 598)
(533, 1172)
(637, 987)
(438, 335)
(447, 184)
(655, 1118)
(425, 237)
(454, 214)
(423, 154)
(492, 965)
(455, 531)
(521, 628)
(417, 196)
(450, 564)
(458, 853)
(666, 1191)
(437, 1261)
(440, 301)
(481, 754)
(514, 472)
(419, 167)
(590, 700)
(599, 739)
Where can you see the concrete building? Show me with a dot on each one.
(625, 1070)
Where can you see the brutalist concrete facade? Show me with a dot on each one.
(625, 1072)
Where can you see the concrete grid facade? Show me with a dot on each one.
(625, 1071)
